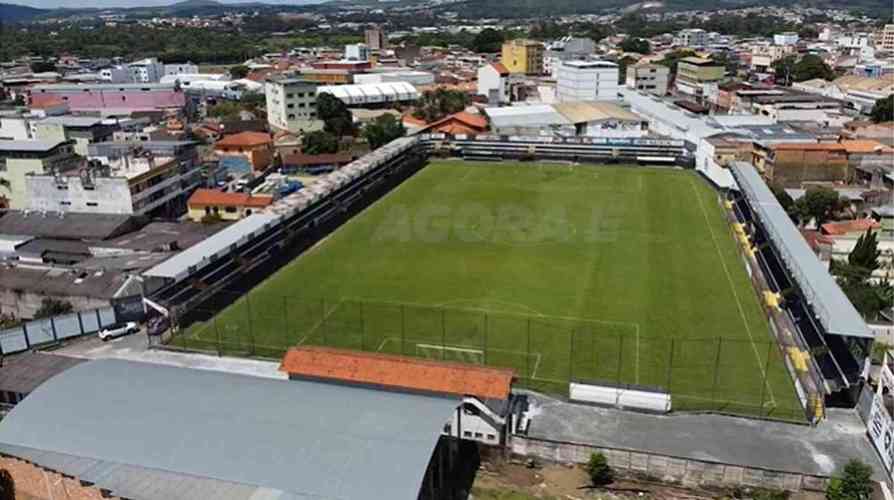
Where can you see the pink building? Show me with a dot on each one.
(111, 97)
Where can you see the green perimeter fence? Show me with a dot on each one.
(732, 376)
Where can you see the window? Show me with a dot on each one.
(479, 435)
(290, 96)
(230, 210)
(491, 437)
(207, 210)
(290, 106)
(65, 203)
(467, 434)
(92, 204)
(291, 116)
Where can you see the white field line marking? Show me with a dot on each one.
(732, 286)
(325, 317)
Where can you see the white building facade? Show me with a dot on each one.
(181, 69)
(115, 74)
(493, 83)
(292, 105)
(357, 52)
(587, 81)
(146, 71)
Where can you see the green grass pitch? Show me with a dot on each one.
(590, 273)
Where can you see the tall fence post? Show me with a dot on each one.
(484, 347)
(403, 328)
(443, 334)
(670, 366)
(219, 340)
(528, 353)
(716, 371)
(251, 333)
(53, 329)
(764, 379)
(362, 327)
(620, 356)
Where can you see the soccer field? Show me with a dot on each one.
(615, 275)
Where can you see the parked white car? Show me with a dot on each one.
(118, 331)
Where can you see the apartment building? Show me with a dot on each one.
(493, 83)
(523, 57)
(650, 78)
(19, 159)
(146, 70)
(292, 104)
(587, 81)
(693, 37)
(140, 178)
(375, 39)
(696, 76)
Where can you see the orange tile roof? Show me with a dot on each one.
(809, 146)
(35, 482)
(398, 372)
(462, 123)
(501, 69)
(245, 139)
(865, 146)
(213, 197)
(849, 226)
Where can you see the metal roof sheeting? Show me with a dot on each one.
(525, 116)
(372, 92)
(833, 309)
(219, 243)
(156, 422)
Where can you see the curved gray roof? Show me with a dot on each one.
(294, 439)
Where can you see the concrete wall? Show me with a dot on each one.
(106, 195)
(25, 304)
(686, 472)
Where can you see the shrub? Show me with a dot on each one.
(600, 472)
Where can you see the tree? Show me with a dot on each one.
(488, 40)
(225, 110)
(599, 471)
(7, 486)
(336, 116)
(434, 105)
(784, 68)
(239, 72)
(637, 45)
(883, 110)
(808, 32)
(791, 69)
(671, 59)
(383, 130)
(817, 204)
(8, 320)
(866, 253)
(318, 143)
(50, 307)
(855, 483)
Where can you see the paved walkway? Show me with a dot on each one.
(135, 348)
(820, 450)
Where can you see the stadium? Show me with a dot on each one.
(595, 264)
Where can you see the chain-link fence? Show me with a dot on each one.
(710, 374)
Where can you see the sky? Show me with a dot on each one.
(51, 4)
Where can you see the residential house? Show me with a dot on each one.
(458, 123)
(227, 206)
(252, 148)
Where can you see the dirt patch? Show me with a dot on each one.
(522, 479)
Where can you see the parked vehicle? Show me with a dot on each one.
(118, 331)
